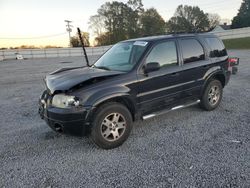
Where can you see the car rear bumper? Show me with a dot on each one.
(75, 121)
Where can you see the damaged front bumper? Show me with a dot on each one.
(75, 121)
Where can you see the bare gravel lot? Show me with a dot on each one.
(185, 148)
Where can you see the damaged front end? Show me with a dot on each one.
(64, 114)
(60, 106)
(68, 78)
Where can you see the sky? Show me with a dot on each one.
(41, 22)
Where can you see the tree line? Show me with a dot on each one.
(242, 19)
(116, 21)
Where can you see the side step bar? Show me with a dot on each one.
(169, 110)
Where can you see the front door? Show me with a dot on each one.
(160, 88)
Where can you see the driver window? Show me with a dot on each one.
(164, 53)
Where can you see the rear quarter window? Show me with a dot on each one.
(216, 46)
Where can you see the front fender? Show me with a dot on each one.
(108, 93)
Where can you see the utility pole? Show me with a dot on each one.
(68, 29)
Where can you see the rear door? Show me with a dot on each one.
(160, 88)
(195, 63)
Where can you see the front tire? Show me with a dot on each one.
(111, 126)
(212, 95)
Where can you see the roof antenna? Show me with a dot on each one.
(83, 47)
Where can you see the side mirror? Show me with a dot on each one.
(152, 66)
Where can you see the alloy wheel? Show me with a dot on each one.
(113, 127)
(214, 95)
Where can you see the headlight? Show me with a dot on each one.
(65, 101)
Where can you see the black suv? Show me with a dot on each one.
(136, 79)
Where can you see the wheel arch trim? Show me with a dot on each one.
(214, 72)
(123, 98)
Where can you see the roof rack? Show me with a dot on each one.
(176, 33)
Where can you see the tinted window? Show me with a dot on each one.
(164, 53)
(217, 48)
(192, 50)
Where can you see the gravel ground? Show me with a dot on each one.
(185, 148)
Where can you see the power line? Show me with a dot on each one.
(39, 37)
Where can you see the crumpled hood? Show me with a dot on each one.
(66, 78)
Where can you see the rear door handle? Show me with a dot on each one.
(205, 66)
(175, 74)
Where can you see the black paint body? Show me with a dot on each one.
(142, 93)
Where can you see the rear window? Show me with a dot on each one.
(192, 50)
(217, 47)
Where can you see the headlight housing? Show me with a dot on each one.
(65, 101)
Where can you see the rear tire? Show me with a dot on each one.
(212, 95)
(111, 126)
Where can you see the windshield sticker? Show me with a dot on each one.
(140, 43)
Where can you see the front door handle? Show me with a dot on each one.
(175, 74)
(205, 66)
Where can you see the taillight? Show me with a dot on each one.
(232, 61)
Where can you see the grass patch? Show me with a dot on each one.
(241, 43)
